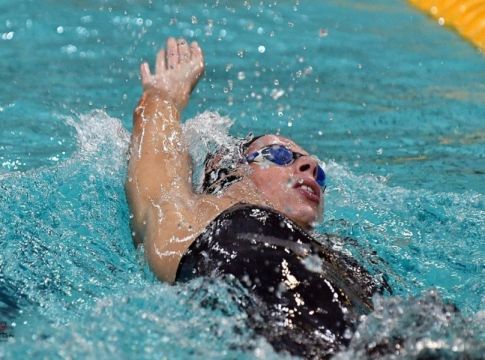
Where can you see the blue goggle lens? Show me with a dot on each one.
(280, 155)
(320, 176)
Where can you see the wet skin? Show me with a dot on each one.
(291, 189)
(167, 215)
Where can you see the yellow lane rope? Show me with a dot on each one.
(466, 16)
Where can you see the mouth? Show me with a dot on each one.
(309, 189)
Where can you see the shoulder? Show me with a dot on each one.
(170, 231)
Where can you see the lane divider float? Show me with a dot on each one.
(465, 16)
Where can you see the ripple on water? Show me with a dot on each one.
(74, 286)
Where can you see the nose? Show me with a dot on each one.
(307, 165)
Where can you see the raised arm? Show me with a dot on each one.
(158, 186)
(167, 215)
(158, 155)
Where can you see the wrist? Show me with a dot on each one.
(180, 101)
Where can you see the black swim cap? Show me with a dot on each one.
(220, 167)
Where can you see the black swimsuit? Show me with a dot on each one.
(306, 297)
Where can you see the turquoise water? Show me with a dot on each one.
(390, 101)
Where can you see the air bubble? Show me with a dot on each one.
(261, 49)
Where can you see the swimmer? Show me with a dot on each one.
(251, 223)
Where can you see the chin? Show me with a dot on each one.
(305, 217)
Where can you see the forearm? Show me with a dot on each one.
(159, 186)
(159, 162)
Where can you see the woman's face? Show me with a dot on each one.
(291, 189)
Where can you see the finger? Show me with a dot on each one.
(172, 53)
(184, 51)
(195, 51)
(197, 56)
(145, 73)
(160, 66)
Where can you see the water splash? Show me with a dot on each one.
(72, 282)
(412, 232)
(101, 138)
(68, 261)
(205, 133)
(64, 225)
(417, 328)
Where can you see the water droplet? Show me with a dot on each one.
(60, 29)
(277, 93)
(8, 35)
(323, 33)
(70, 49)
(87, 19)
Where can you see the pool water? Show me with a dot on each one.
(391, 102)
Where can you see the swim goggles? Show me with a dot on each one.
(280, 155)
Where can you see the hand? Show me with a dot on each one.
(177, 71)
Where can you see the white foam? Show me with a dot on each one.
(101, 138)
(204, 134)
